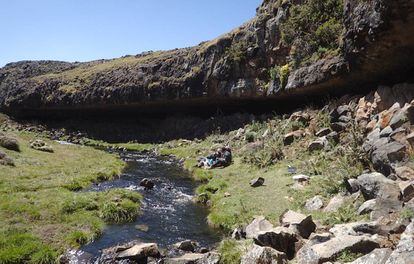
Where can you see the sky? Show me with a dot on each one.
(84, 30)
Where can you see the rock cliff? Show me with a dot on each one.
(290, 48)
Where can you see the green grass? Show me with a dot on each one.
(231, 250)
(39, 208)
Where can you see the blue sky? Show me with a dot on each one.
(83, 30)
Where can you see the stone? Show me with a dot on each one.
(405, 173)
(339, 126)
(384, 207)
(410, 139)
(300, 223)
(139, 252)
(335, 203)
(404, 252)
(186, 245)
(343, 110)
(290, 137)
(354, 229)
(147, 184)
(280, 238)
(257, 225)
(300, 116)
(373, 185)
(344, 119)
(263, 255)
(352, 185)
(407, 190)
(323, 132)
(377, 256)
(257, 182)
(301, 178)
(367, 207)
(333, 137)
(5, 159)
(319, 144)
(9, 143)
(386, 132)
(238, 233)
(195, 258)
(328, 250)
(40, 145)
(314, 204)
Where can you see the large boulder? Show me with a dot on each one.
(322, 252)
(280, 238)
(374, 185)
(139, 252)
(257, 225)
(195, 258)
(9, 142)
(41, 145)
(300, 223)
(263, 255)
(377, 256)
(354, 229)
(404, 252)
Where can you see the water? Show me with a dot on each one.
(168, 210)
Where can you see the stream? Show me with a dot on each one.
(168, 214)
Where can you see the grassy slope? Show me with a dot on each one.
(40, 214)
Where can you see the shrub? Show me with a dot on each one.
(281, 74)
(230, 252)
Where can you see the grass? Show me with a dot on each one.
(40, 212)
(231, 250)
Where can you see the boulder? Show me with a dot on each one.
(373, 185)
(404, 252)
(386, 132)
(5, 160)
(407, 190)
(339, 126)
(302, 224)
(147, 184)
(186, 245)
(257, 182)
(257, 225)
(383, 207)
(335, 203)
(280, 238)
(319, 144)
(323, 132)
(354, 229)
(351, 185)
(301, 178)
(238, 233)
(405, 173)
(195, 258)
(377, 256)
(343, 110)
(333, 137)
(40, 145)
(290, 137)
(139, 252)
(387, 154)
(322, 252)
(367, 207)
(9, 143)
(263, 255)
(314, 204)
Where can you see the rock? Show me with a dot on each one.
(319, 144)
(257, 225)
(263, 255)
(300, 116)
(257, 182)
(407, 190)
(410, 139)
(147, 184)
(5, 160)
(367, 207)
(343, 110)
(143, 228)
(290, 137)
(314, 204)
(404, 252)
(238, 233)
(301, 178)
(326, 251)
(388, 153)
(40, 145)
(335, 203)
(203, 250)
(405, 173)
(186, 245)
(339, 126)
(400, 117)
(195, 258)
(384, 207)
(300, 223)
(333, 137)
(323, 132)
(386, 132)
(139, 252)
(280, 238)
(344, 119)
(9, 143)
(352, 185)
(354, 229)
(377, 256)
(373, 185)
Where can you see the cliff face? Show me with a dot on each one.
(291, 47)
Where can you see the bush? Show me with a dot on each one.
(281, 74)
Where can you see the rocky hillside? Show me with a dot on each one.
(290, 47)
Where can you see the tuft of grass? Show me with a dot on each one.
(348, 256)
(232, 251)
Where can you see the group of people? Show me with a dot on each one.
(221, 158)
